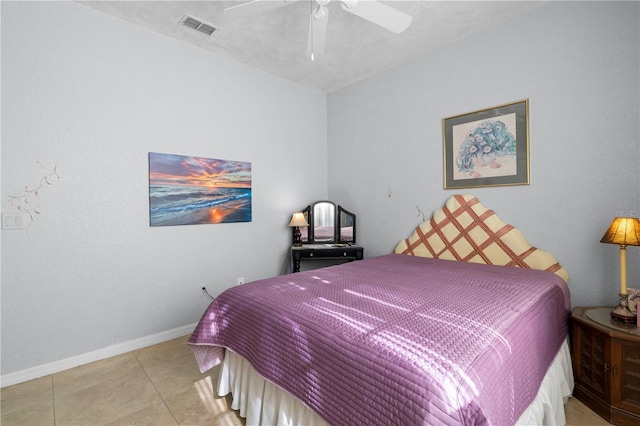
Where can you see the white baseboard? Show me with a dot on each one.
(108, 352)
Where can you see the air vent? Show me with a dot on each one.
(198, 25)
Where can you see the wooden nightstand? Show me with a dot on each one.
(606, 365)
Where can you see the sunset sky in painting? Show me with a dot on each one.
(179, 170)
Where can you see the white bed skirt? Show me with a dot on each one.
(263, 403)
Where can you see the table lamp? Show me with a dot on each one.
(624, 231)
(297, 220)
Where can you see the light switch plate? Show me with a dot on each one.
(15, 221)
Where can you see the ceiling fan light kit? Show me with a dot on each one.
(370, 10)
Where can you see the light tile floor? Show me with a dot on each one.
(158, 385)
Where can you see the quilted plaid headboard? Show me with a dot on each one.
(465, 230)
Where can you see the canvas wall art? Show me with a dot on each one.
(186, 190)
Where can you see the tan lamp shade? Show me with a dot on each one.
(624, 231)
(298, 220)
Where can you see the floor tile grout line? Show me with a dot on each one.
(53, 399)
(155, 387)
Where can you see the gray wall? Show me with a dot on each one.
(93, 95)
(578, 64)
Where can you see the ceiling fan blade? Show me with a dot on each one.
(254, 7)
(378, 13)
(318, 20)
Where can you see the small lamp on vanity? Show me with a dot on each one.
(297, 221)
(624, 231)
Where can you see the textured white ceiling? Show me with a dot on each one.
(275, 41)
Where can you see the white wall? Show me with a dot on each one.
(92, 95)
(578, 64)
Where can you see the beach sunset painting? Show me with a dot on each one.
(193, 190)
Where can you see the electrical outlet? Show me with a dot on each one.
(240, 280)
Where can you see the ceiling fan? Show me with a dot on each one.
(373, 11)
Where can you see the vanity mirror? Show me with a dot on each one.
(346, 226)
(324, 222)
(328, 224)
(330, 236)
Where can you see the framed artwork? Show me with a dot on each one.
(489, 147)
(193, 190)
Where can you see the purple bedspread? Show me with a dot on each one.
(396, 339)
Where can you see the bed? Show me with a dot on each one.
(464, 323)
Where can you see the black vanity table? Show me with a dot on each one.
(331, 235)
(324, 251)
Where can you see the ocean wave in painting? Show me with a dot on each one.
(175, 205)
